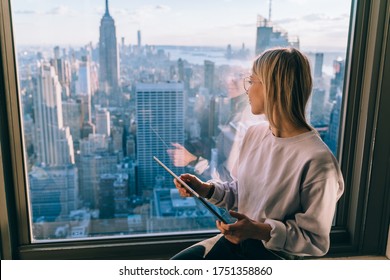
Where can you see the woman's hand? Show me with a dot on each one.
(202, 188)
(180, 156)
(244, 228)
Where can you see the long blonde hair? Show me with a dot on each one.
(286, 75)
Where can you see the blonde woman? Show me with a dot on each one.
(287, 182)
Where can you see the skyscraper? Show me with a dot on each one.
(83, 87)
(139, 39)
(72, 114)
(334, 125)
(53, 191)
(54, 145)
(91, 167)
(160, 120)
(336, 84)
(209, 69)
(61, 67)
(102, 119)
(335, 97)
(319, 61)
(113, 195)
(269, 36)
(108, 54)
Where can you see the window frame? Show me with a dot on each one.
(363, 121)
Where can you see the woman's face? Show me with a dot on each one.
(256, 92)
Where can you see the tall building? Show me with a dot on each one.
(53, 192)
(318, 105)
(319, 61)
(213, 118)
(139, 39)
(86, 129)
(102, 120)
(270, 36)
(334, 125)
(61, 67)
(108, 54)
(117, 138)
(128, 166)
(160, 120)
(91, 167)
(106, 196)
(209, 69)
(336, 84)
(180, 69)
(72, 114)
(54, 145)
(83, 87)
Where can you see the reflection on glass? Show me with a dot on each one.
(94, 116)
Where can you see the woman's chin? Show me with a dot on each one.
(255, 112)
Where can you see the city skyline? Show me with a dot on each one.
(322, 25)
(90, 163)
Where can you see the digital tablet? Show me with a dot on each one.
(194, 193)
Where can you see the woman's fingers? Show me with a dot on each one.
(182, 190)
(229, 232)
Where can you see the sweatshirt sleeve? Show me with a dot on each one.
(307, 232)
(225, 194)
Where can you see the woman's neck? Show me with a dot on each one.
(288, 130)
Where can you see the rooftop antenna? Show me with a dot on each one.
(107, 12)
(269, 12)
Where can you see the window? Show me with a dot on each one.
(105, 88)
(361, 225)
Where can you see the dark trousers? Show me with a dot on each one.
(223, 249)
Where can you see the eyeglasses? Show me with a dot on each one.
(248, 83)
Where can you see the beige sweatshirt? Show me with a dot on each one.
(292, 184)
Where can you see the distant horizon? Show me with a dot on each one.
(216, 47)
(320, 25)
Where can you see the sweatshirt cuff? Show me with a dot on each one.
(278, 235)
(201, 165)
(218, 193)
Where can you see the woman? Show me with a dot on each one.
(287, 182)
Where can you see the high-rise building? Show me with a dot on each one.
(102, 120)
(209, 69)
(91, 167)
(128, 166)
(318, 112)
(87, 128)
(72, 113)
(269, 36)
(335, 97)
(213, 118)
(54, 145)
(180, 69)
(117, 138)
(83, 87)
(336, 84)
(106, 196)
(139, 39)
(160, 120)
(334, 125)
(319, 61)
(53, 192)
(61, 67)
(108, 54)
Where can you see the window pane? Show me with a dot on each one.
(106, 86)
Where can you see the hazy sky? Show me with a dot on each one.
(320, 24)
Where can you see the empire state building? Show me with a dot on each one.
(108, 54)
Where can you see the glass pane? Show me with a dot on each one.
(106, 86)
